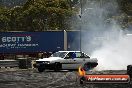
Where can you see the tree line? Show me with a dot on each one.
(42, 15)
(38, 15)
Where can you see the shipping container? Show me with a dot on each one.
(26, 42)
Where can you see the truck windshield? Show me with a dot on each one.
(59, 54)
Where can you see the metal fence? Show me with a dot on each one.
(9, 63)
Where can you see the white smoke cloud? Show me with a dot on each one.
(107, 42)
(115, 54)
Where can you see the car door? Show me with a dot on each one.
(80, 59)
(73, 60)
(69, 61)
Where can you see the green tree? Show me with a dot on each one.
(41, 15)
(37, 15)
(4, 19)
(126, 6)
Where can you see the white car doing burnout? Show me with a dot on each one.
(67, 60)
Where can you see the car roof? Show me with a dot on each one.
(72, 51)
(69, 51)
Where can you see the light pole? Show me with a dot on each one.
(80, 25)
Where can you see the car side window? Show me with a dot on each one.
(71, 55)
(81, 55)
(78, 55)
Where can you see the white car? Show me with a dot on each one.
(68, 60)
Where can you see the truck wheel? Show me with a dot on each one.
(40, 69)
(57, 66)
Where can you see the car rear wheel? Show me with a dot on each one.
(88, 66)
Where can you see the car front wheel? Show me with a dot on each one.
(40, 69)
(57, 66)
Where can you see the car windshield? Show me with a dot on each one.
(58, 54)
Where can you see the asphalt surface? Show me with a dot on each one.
(51, 79)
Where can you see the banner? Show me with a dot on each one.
(18, 42)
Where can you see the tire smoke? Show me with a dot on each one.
(105, 39)
(115, 54)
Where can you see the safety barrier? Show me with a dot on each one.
(24, 63)
(9, 63)
(129, 70)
